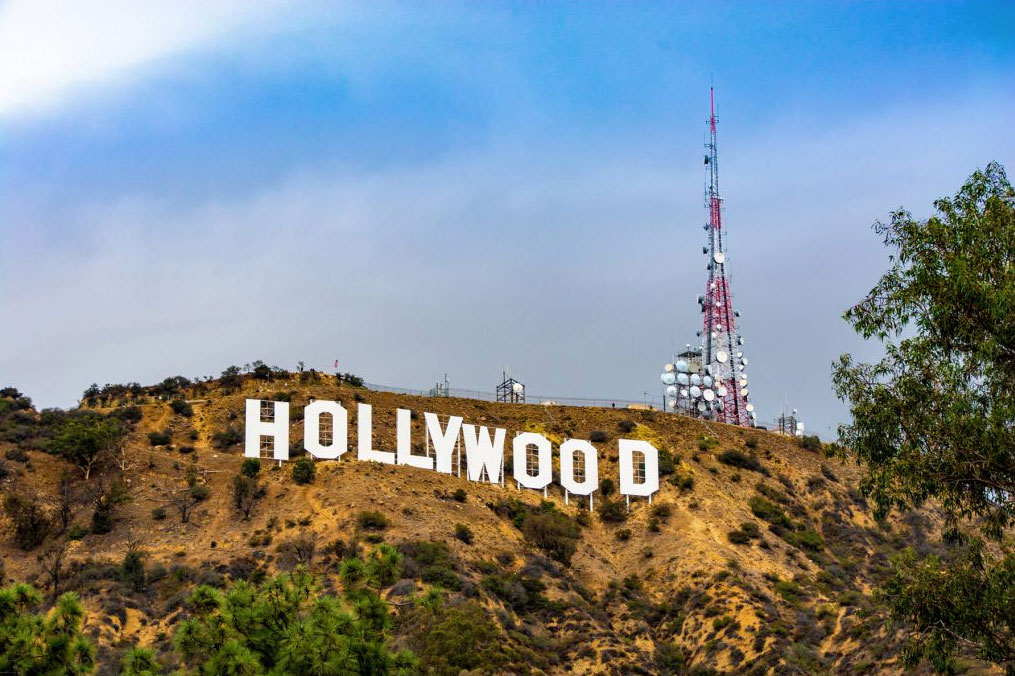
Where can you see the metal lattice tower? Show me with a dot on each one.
(722, 346)
(710, 381)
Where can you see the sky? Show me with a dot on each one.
(424, 188)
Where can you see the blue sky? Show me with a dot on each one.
(415, 188)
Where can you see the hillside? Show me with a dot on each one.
(756, 556)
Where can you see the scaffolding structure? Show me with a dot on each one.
(510, 391)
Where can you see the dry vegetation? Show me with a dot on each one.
(756, 556)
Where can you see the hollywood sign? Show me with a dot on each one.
(267, 433)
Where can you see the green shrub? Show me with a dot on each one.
(670, 659)
(181, 407)
(160, 438)
(612, 511)
(230, 436)
(751, 529)
(607, 486)
(811, 443)
(30, 521)
(460, 495)
(304, 470)
(667, 465)
(553, 532)
(751, 442)
(626, 426)
(451, 640)
(738, 537)
(463, 533)
(598, 436)
(735, 458)
(624, 534)
(684, 482)
(374, 521)
(251, 467)
(159, 514)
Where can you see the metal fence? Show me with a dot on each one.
(771, 426)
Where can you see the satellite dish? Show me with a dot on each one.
(721, 357)
(672, 403)
(708, 395)
(668, 368)
(682, 366)
(707, 381)
(682, 378)
(695, 391)
(800, 426)
(708, 369)
(743, 382)
(753, 415)
(721, 391)
(695, 379)
(701, 406)
(744, 361)
(743, 392)
(719, 405)
(668, 378)
(683, 393)
(671, 390)
(518, 388)
(740, 340)
(719, 257)
(794, 411)
(750, 407)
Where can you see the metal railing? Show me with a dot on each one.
(601, 402)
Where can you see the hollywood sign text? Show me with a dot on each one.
(267, 430)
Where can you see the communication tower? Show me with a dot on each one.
(510, 390)
(714, 385)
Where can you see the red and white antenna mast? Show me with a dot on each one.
(711, 382)
(722, 354)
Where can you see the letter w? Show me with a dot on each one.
(483, 454)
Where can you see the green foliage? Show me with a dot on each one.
(460, 495)
(140, 662)
(132, 570)
(811, 442)
(230, 436)
(553, 532)
(83, 440)
(181, 407)
(433, 559)
(738, 537)
(735, 458)
(463, 533)
(304, 470)
(163, 438)
(29, 519)
(598, 436)
(34, 643)
(375, 521)
(612, 511)
(451, 640)
(670, 659)
(247, 490)
(384, 565)
(768, 511)
(607, 487)
(684, 482)
(286, 626)
(935, 418)
(251, 467)
(667, 465)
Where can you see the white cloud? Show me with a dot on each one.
(53, 49)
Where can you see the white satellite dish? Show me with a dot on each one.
(743, 392)
(707, 381)
(744, 361)
(668, 368)
(682, 366)
(682, 378)
(719, 257)
(753, 415)
(721, 357)
(721, 391)
(743, 382)
(668, 378)
(800, 426)
(683, 393)
(701, 406)
(671, 390)
(518, 388)
(695, 391)
(708, 395)
(695, 379)
(794, 411)
(750, 407)
(672, 403)
(740, 340)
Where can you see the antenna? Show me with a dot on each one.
(724, 396)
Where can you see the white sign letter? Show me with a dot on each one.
(568, 449)
(312, 429)
(650, 480)
(482, 452)
(365, 434)
(404, 435)
(443, 440)
(275, 425)
(544, 462)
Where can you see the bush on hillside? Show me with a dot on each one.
(735, 458)
(304, 470)
(374, 521)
